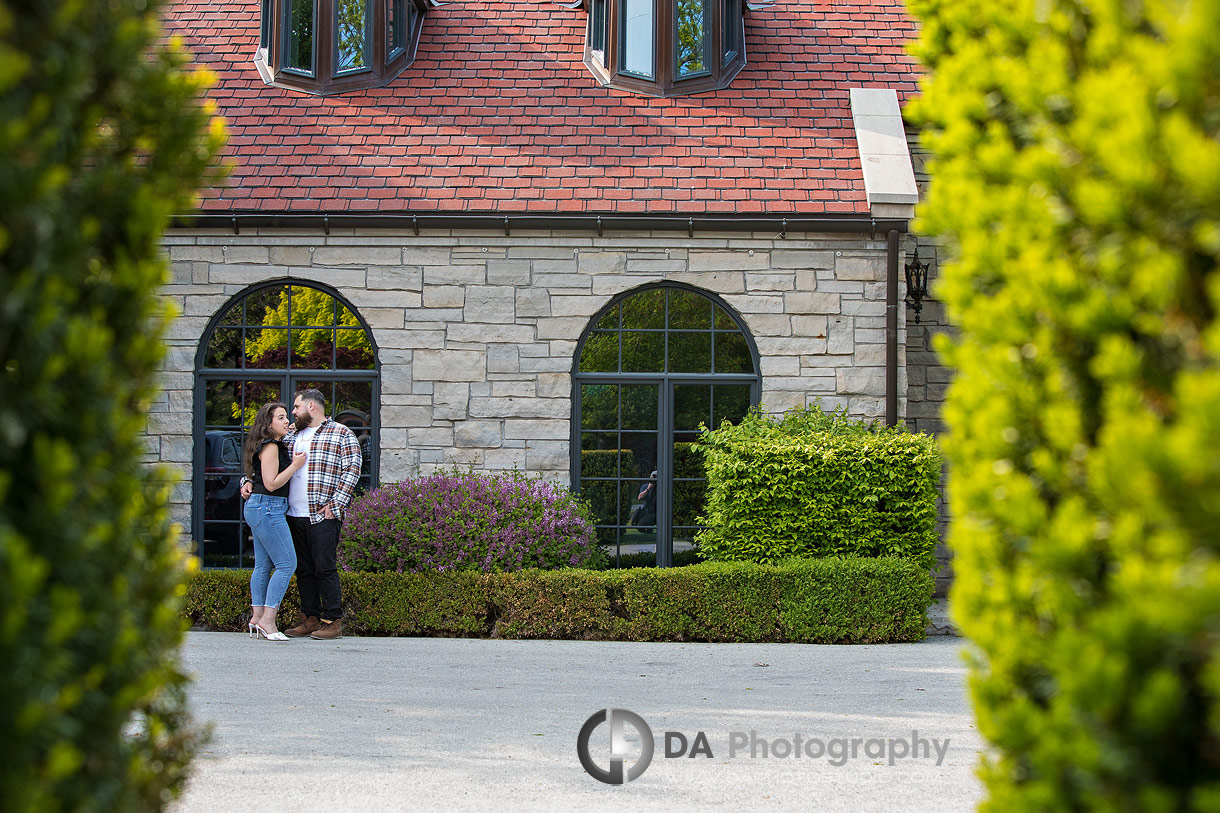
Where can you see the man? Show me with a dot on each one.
(318, 494)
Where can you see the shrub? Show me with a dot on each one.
(100, 144)
(830, 600)
(1076, 178)
(467, 521)
(814, 484)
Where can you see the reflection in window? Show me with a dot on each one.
(265, 346)
(732, 28)
(597, 27)
(666, 330)
(298, 42)
(654, 367)
(637, 37)
(396, 24)
(692, 37)
(351, 44)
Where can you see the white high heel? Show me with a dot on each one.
(270, 636)
(252, 627)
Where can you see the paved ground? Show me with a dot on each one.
(411, 723)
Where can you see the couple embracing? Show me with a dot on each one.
(301, 478)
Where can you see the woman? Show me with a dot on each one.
(270, 468)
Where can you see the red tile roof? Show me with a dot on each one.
(498, 114)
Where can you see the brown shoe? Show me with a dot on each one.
(329, 631)
(305, 627)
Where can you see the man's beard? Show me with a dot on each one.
(303, 421)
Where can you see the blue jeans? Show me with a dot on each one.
(266, 517)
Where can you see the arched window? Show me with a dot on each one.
(266, 344)
(329, 46)
(651, 367)
(665, 47)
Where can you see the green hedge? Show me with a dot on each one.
(830, 600)
(813, 484)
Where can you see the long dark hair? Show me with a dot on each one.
(260, 431)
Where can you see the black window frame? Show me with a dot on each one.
(285, 22)
(383, 62)
(285, 378)
(622, 41)
(608, 64)
(666, 382)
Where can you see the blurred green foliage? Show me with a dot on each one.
(102, 138)
(1076, 182)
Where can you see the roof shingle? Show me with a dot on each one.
(499, 114)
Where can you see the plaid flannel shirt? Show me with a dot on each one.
(334, 468)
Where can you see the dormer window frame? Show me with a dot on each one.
(383, 62)
(611, 29)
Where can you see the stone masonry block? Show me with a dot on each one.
(756, 303)
(449, 402)
(554, 385)
(423, 255)
(358, 255)
(450, 365)
(584, 306)
(561, 327)
(812, 303)
(785, 258)
(841, 335)
(519, 407)
(490, 334)
(770, 281)
(455, 274)
(395, 278)
(592, 261)
(291, 255)
(431, 436)
(535, 429)
(547, 455)
(861, 381)
(721, 282)
(729, 261)
(502, 359)
(490, 304)
(406, 416)
(812, 326)
(862, 267)
(444, 296)
(411, 339)
(508, 272)
(484, 434)
(533, 302)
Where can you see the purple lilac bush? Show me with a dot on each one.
(467, 521)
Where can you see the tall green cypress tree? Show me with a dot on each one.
(102, 137)
(1076, 178)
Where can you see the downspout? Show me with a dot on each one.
(891, 328)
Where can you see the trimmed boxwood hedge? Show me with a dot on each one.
(830, 600)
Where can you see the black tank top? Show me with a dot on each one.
(257, 476)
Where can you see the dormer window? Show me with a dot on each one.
(665, 47)
(329, 46)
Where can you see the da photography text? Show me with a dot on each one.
(836, 750)
(630, 755)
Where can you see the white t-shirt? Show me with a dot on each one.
(298, 485)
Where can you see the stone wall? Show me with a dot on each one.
(476, 331)
(927, 378)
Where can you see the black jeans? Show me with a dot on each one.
(317, 546)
